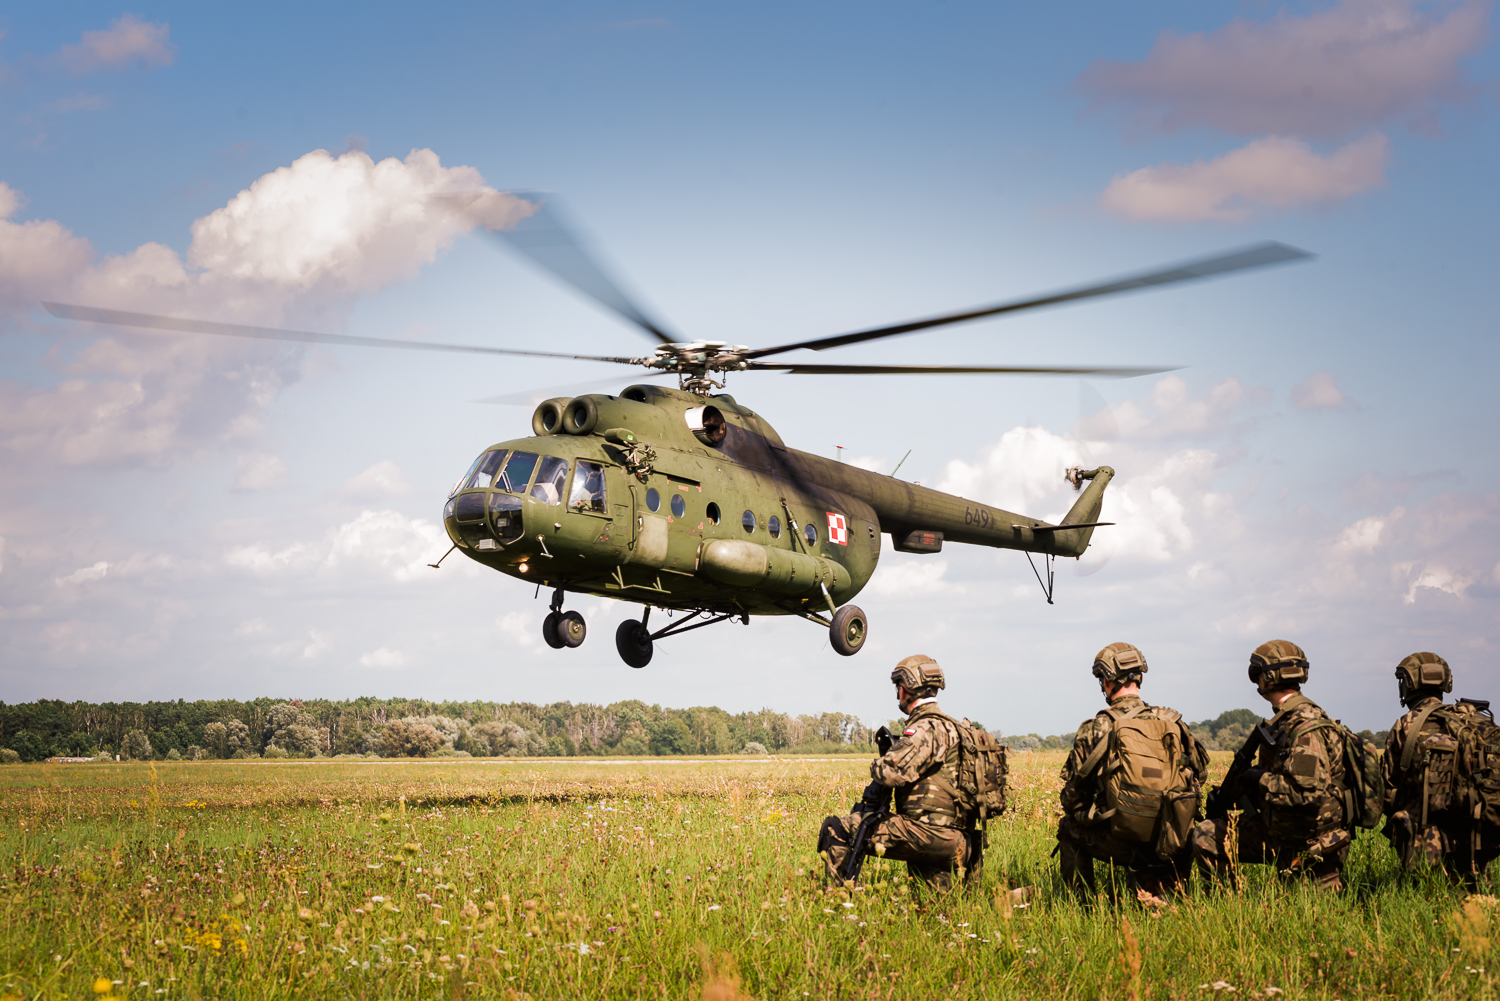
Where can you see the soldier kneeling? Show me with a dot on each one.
(1436, 806)
(932, 828)
(1130, 785)
(1288, 779)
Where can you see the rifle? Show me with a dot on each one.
(874, 806)
(1225, 796)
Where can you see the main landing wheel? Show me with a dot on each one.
(571, 629)
(849, 629)
(550, 632)
(634, 643)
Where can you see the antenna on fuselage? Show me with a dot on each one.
(902, 462)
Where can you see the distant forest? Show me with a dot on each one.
(274, 728)
(1225, 732)
(407, 727)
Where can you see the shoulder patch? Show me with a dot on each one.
(909, 731)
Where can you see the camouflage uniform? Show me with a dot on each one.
(1295, 810)
(1417, 839)
(1082, 837)
(929, 831)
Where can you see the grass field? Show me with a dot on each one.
(631, 878)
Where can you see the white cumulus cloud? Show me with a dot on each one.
(259, 472)
(1324, 75)
(313, 234)
(384, 657)
(128, 41)
(1319, 391)
(1273, 173)
(383, 479)
(85, 574)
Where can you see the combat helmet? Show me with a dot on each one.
(918, 674)
(1421, 675)
(1278, 664)
(1119, 663)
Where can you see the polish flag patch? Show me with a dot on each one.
(838, 529)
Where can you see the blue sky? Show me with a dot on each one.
(183, 517)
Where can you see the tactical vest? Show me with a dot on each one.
(1291, 733)
(1449, 772)
(934, 798)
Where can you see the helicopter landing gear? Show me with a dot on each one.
(563, 629)
(849, 629)
(636, 642)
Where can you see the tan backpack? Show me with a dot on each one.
(1150, 795)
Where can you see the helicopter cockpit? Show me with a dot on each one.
(485, 505)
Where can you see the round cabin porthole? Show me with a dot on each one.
(713, 513)
(774, 527)
(679, 506)
(748, 520)
(653, 499)
(810, 532)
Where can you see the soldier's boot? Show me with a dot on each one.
(1399, 830)
(1077, 870)
(1210, 852)
(1165, 880)
(832, 848)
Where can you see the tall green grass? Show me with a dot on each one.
(563, 879)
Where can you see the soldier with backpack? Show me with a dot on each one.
(1292, 780)
(1440, 779)
(1130, 785)
(945, 775)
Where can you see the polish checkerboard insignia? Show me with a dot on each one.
(838, 529)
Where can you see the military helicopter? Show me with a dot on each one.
(687, 500)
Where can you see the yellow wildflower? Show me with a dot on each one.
(102, 986)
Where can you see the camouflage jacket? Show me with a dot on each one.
(922, 767)
(1082, 790)
(1399, 793)
(1298, 780)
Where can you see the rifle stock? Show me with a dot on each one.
(1222, 798)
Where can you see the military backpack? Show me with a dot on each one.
(982, 771)
(1456, 766)
(1150, 793)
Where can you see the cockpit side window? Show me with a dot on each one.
(483, 470)
(551, 474)
(517, 472)
(588, 488)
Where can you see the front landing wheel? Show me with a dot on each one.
(849, 629)
(634, 643)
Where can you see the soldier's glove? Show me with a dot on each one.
(1249, 782)
(1217, 803)
(873, 800)
(883, 740)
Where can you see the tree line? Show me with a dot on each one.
(407, 727)
(1225, 732)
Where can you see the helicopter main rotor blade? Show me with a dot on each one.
(792, 368)
(543, 238)
(151, 321)
(1256, 256)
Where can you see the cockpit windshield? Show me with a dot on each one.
(550, 477)
(517, 472)
(483, 470)
(588, 488)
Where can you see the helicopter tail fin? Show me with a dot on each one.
(1085, 511)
